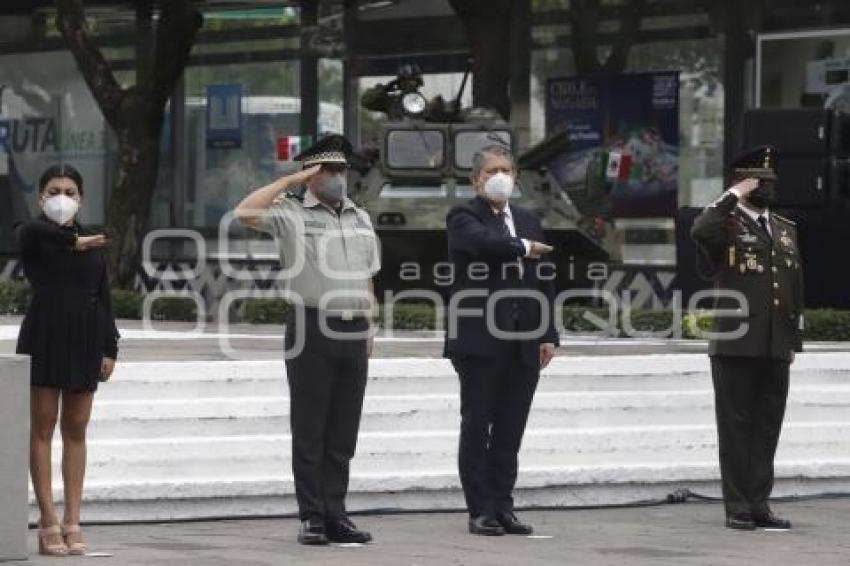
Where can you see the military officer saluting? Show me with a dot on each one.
(329, 251)
(744, 247)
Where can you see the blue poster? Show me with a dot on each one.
(224, 116)
(624, 133)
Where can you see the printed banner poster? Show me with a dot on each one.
(624, 134)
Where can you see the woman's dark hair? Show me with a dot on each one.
(60, 172)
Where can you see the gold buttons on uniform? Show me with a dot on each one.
(776, 302)
(776, 285)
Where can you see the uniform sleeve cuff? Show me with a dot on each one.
(527, 245)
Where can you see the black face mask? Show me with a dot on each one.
(764, 195)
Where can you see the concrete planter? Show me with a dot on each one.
(14, 443)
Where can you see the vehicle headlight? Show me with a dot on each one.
(413, 103)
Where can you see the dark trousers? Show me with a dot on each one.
(749, 397)
(495, 398)
(327, 382)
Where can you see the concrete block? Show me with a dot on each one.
(14, 446)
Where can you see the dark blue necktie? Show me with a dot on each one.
(506, 231)
(503, 220)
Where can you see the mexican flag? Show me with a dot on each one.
(290, 146)
(619, 166)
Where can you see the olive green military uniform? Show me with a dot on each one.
(750, 372)
(328, 257)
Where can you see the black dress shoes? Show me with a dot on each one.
(740, 521)
(313, 532)
(486, 525)
(512, 525)
(771, 521)
(344, 531)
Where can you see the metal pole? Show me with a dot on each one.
(309, 71)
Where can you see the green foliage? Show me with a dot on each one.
(261, 311)
(581, 319)
(659, 321)
(827, 325)
(14, 297)
(126, 304)
(178, 309)
(416, 316)
(696, 321)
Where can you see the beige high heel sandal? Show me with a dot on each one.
(45, 549)
(75, 548)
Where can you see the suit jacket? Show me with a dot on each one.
(736, 254)
(476, 239)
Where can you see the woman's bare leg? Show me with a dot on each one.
(76, 411)
(44, 409)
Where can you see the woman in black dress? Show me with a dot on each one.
(70, 334)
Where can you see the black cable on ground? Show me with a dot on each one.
(679, 496)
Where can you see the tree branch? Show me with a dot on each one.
(584, 20)
(629, 28)
(96, 71)
(179, 23)
(487, 23)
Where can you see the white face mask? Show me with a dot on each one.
(499, 187)
(60, 208)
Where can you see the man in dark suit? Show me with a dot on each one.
(495, 248)
(745, 248)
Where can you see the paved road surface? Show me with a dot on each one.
(686, 534)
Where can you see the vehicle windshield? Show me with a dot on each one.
(468, 143)
(416, 149)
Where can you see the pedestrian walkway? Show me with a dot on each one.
(684, 534)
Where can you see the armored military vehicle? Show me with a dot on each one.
(422, 170)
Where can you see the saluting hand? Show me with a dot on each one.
(304, 175)
(746, 186)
